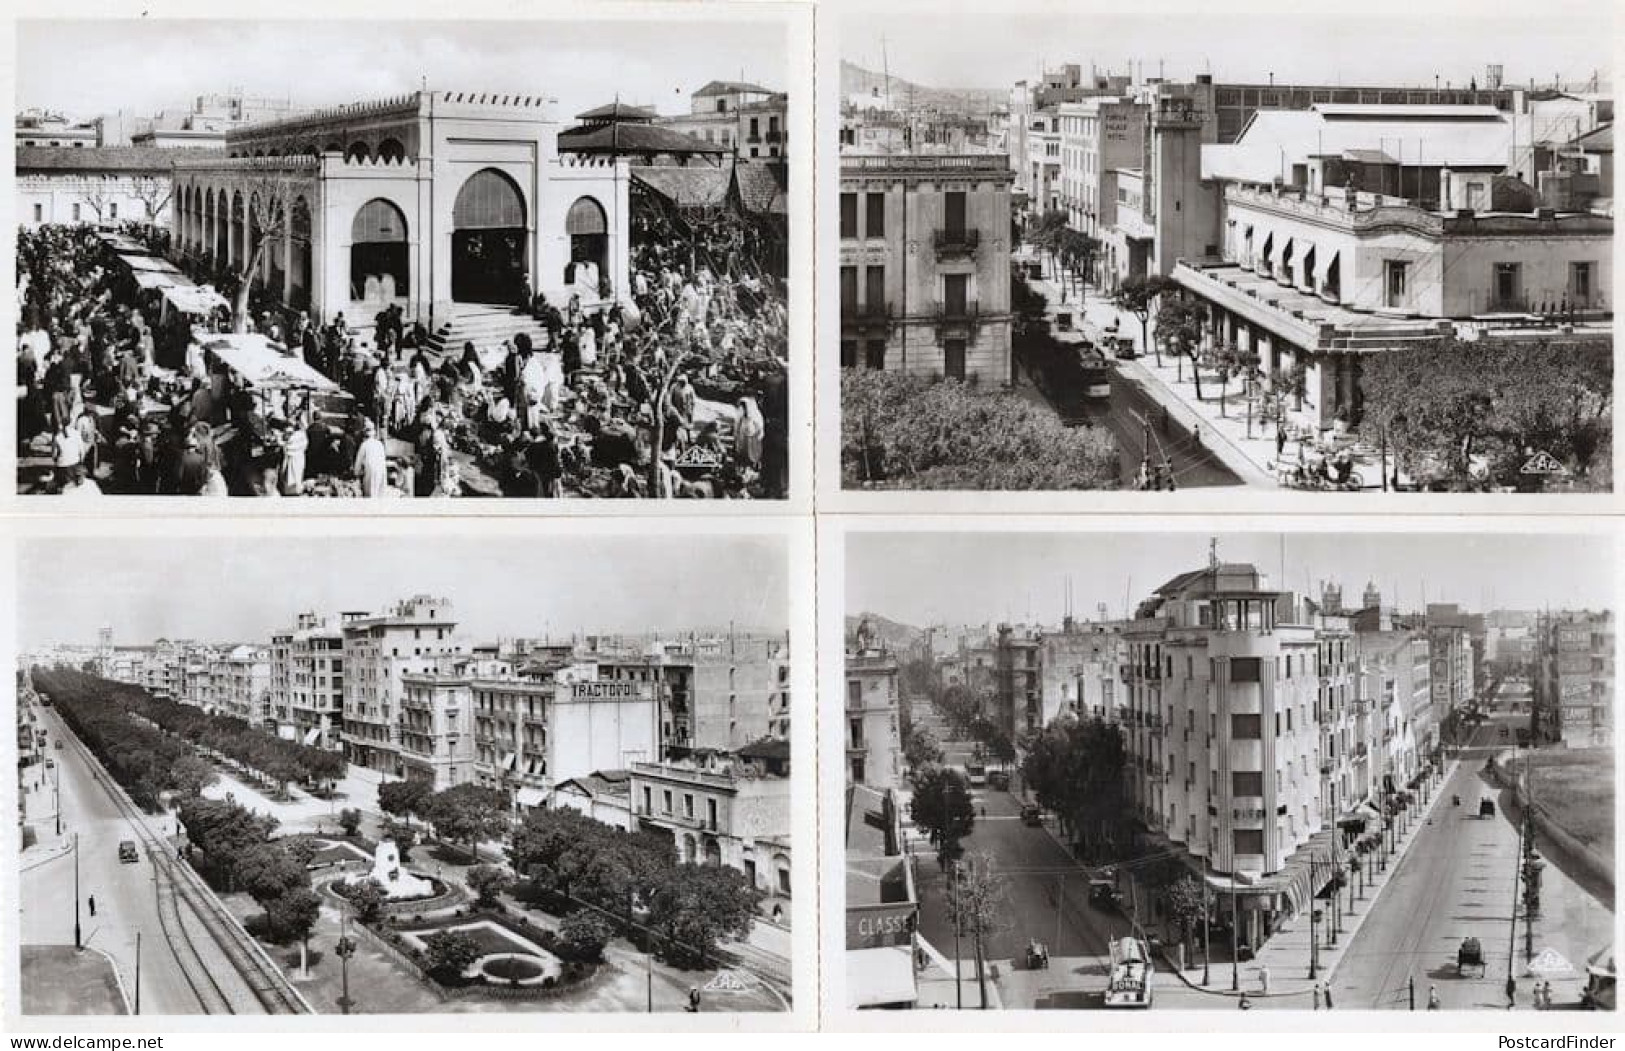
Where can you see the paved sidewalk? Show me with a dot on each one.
(1286, 954)
(935, 984)
(1248, 448)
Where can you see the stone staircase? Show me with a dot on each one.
(485, 326)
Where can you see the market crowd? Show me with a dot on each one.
(676, 388)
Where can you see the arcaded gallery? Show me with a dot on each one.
(424, 201)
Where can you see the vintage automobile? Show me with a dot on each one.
(1470, 956)
(1037, 956)
(127, 852)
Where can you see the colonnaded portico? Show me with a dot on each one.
(425, 200)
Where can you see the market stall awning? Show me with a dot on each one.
(121, 244)
(161, 279)
(149, 263)
(530, 797)
(880, 976)
(194, 299)
(258, 361)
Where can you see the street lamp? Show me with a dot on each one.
(345, 949)
(1314, 914)
(58, 786)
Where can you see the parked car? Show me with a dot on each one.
(127, 852)
(1103, 893)
(999, 779)
(1031, 814)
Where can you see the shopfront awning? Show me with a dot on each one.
(312, 734)
(875, 977)
(509, 759)
(530, 797)
(1290, 889)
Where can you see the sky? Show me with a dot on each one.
(219, 589)
(87, 68)
(1328, 44)
(1020, 577)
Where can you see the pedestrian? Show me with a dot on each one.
(1264, 980)
(1315, 993)
(1328, 993)
(1512, 993)
(91, 901)
(1433, 998)
(694, 1000)
(1546, 994)
(1244, 1003)
(1196, 434)
(371, 465)
(1280, 443)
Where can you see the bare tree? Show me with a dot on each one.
(154, 193)
(657, 474)
(97, 197)
(268, 198)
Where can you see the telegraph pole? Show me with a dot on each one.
(953, 890)
(1235, 938)
(1207, 946)
(77, 942)
(137, 972)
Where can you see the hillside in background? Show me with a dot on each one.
(856, 82)
(896, 636)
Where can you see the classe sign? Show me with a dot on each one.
(581, 692)
(877, 926)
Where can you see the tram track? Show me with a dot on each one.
(180, 891)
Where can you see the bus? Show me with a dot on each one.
(1097, 372)
(1130, 975)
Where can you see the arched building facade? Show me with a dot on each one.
(426, 201)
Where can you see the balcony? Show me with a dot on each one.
(693, 821)
(956, 244)
(774, 137)
(963, 317)
(867, 316)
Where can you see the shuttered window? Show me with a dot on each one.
(488, 201)
(586, 216)
(378, 220)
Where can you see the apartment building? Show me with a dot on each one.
(925, 265)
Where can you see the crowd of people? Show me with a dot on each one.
(678, 389)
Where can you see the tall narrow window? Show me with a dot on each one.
(849, 215)
(954, 301)
(874, 218)
(874, 290)
(953, 212)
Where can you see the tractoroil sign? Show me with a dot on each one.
(877, 926)
(583, 692)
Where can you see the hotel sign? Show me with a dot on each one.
(586, 692)
(878, 926)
